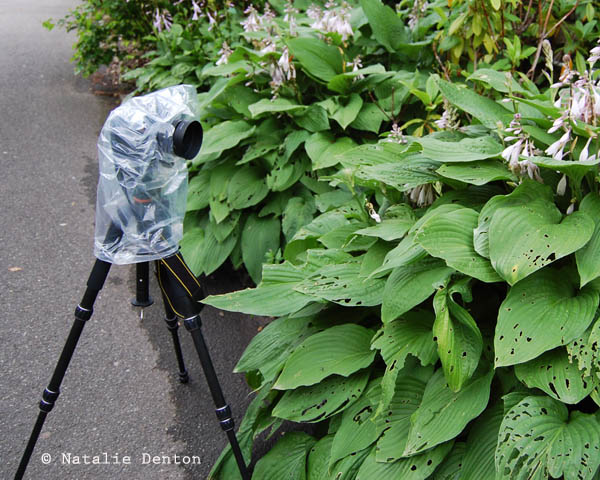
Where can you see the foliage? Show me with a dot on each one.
(454, 335)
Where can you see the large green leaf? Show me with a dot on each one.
(198, 191)
(450, 236)
(394, 225)
(269, 349)
(538, 439)
(525, 238)
(357, 429)
(225, 135)
(344, 110)
(318, 402)
(418, 467)
(276, 105)
(588, 258)
(388, 28)
(574, 170)
(246, 188)
(340, 283)
(317, 463)
(403, 175)
(451, 467)
(443, 414)
(478, 461)
(325, 353)
(260, 235)
(272, 297)
(347, 468)
(499, 81)
(465, 150)
(526, 192)
(540, 313)
(477, 173)
(411, 284)
(202, 250)
(554, 374)
(459, 341)
(343, 82)
(298, 212)
(488, 112)
(369, 118)
(394, 423)
(409, 335)
(323, 148)
(317, 58)
(287, 459)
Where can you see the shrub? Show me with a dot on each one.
(453, 332)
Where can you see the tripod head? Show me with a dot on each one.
(142, 187)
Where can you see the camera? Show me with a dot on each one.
(142, 187)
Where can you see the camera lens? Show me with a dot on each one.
(187, 139)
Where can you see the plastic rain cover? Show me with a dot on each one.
(143, 185)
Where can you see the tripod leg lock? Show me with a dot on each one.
(192, 323)
(48, 399)
(225, 418)
(83, 314)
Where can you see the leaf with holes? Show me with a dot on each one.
(538, 439)
(526, 192)
(246, 188)
(478, 461)
(318, 402)
(451, 467)
(584, 349)
(409, 335)
(554, 374)
(459, 341)
(394, 422)
(317, 463)
(357, 429)
(450, 236)
(443, 414)
(588, 260)
(477, 173)
(525, 238)
(287, 459)
(418, 467)
(341, 284)
(347, 468)
(323, 354)
(403, 175)
(409, 285)
(465, 150)
(269, 349)
(542, 312)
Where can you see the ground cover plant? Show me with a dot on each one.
(438, 318)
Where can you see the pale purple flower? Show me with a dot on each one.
(584, 155)
(595, 55)
(197, 11)
(450, 120)
(356, 65)
(422, 195)
(225, 52)
(162, 20)
(571, 209)
(561, 188)
(336, 20)
(252, 23)
(286, 66)
(556, 149)
(395, 135)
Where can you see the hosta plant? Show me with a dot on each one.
(439, 317)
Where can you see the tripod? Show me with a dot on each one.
(181, 294)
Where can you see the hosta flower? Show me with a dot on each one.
(449, 119)
(356, 64)
(396, 135)
(225, 52)
(162, 20)
(561, 188)
(212, 21)
(522, 147)
(197, 10)
(252, 23)
(594, 55)
(556, 149)
(290, 17)
(422, 195)
(286, 65)
(418, 9)
(336, 20)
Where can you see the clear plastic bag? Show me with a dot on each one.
(142, 187)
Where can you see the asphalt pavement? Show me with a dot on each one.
(120, 397)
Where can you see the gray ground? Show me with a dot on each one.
(120, 396)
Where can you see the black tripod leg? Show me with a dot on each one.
(83, 313)
(142, 289)
(173, 326)
(193, 325)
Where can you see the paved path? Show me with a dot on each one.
(120, 396)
